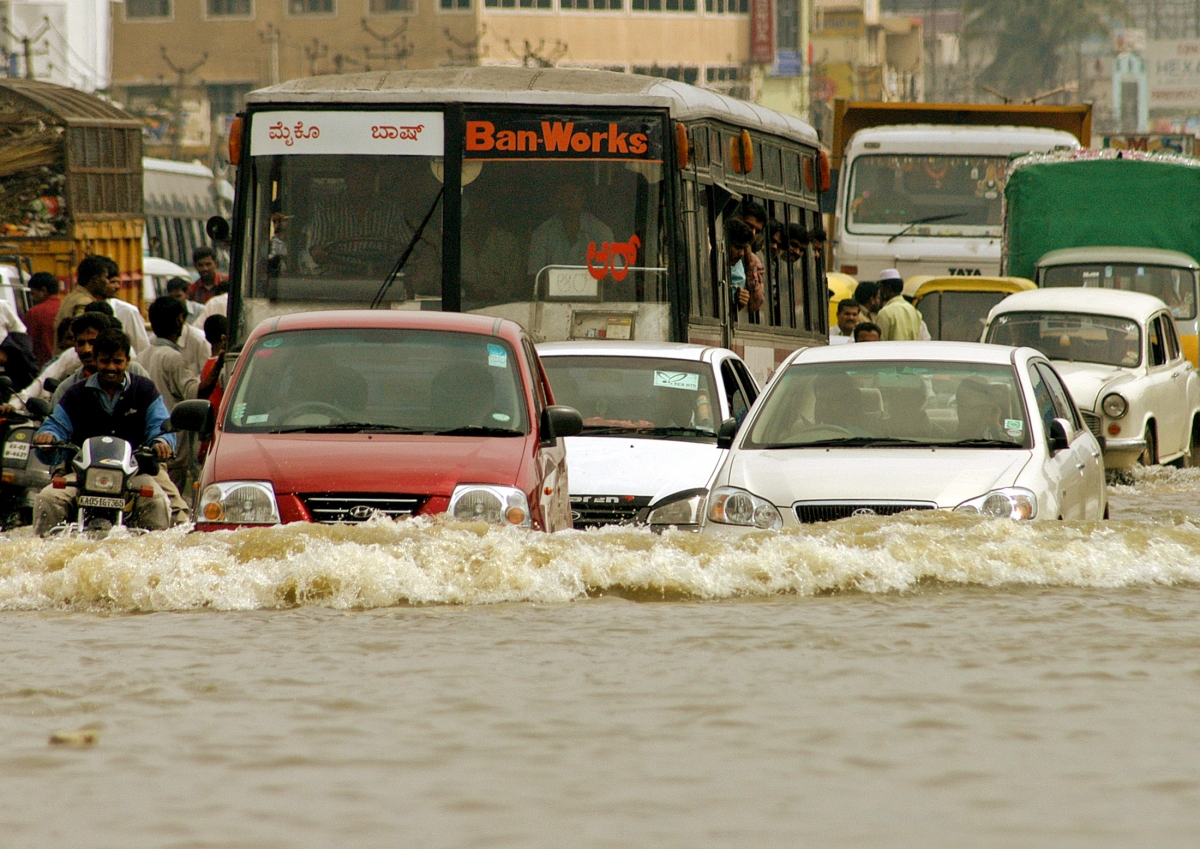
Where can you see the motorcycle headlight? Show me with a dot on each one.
(1114, 405)
(104, 480)
(239, 503)
(732, 506)
(1007, 503)
(498, 505)
(685, 510)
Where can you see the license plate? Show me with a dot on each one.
(16, 451)
(101, 501)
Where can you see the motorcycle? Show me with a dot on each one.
(22, 473)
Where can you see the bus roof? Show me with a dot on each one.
(501, 84)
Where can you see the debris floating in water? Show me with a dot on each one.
(81, 738)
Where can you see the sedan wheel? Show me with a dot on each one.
(1150, 454)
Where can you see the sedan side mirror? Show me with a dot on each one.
(559, 420)
(726, 432)
(1058, 436)
(194, 415)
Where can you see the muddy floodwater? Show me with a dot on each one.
(924, 681)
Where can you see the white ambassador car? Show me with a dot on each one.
(1120, 357)
(651, 411)
(883, 427)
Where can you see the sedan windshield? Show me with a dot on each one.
(1075, 337)
(1176, 287)
(379, 380)
(649, 396)
(892, 404)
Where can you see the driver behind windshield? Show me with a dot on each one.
(109, 403)
(979, 414)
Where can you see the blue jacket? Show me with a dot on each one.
(136, 414)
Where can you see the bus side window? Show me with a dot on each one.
(699, 249)
(816, 291)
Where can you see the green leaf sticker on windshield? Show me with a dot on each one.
(677, 380)
(497, 356)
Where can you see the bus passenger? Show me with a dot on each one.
(491, 257)
(563, 238)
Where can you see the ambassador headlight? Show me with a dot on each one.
(239, 503)
(1008, 503)
(731, 506)
(104, 480)
(499, 505)
(681, 510)
(1114, 405)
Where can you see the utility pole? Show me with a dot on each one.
(27, 42)
(181, 74)
(271, 38)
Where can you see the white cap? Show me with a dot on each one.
(889, 274)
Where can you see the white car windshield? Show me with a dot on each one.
(892, 403)
(354, 380)
(1176, 287)
(1074, 337)
(645, 395)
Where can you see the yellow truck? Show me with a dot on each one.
(70, 181)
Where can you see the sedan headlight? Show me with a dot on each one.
(1114, 405)
(104, 480)
(239, 503)
(1008, 503)
(681, 510)
(732, 506)
(499, 505)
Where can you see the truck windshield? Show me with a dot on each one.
(1176, 287)
(1075, 337)
(379, 381)
(890, 193)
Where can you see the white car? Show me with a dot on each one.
(651, 411)
(1119, 354)
(884, 427)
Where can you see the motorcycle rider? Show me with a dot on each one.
(109, 403)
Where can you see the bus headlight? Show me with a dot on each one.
(732, 506)
(1008, 503)
(239, 503)
(1114, 405)
(498, 505)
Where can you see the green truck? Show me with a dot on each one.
(1111, 219)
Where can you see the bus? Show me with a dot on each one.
(583, 204)
(179, 199)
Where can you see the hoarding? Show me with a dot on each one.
(1173, 68)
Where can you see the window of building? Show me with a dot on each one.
(733, 7)
(314, 7)
(517, 4)
(393, 7)
(455, 5)
(141, 9)
(787, 24)
(663, 5)
(728, 79)
(593, 5)
(227, 98)
(229, 9)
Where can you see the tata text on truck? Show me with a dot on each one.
(1111, 219)
(477, 165)
(920, 185)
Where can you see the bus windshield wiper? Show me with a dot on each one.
(857, 442)
(350, 427)
(927, 220)
(412, 244)
(477, 430)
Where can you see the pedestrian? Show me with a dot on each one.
(867, 332)
(39, 318)
(866, 295)
(130, 316)
(211, 281)
(91, 284)
(898, 320)
(847, 318)
(178, 288)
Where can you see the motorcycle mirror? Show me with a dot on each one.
(6, 386)
(49, 384)
(39, 408)
(194, 415)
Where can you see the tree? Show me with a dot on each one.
(1030, 38)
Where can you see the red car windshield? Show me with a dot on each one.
(379, 380)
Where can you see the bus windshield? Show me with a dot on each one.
(932, 195)
(1176, 287)
(553, 206)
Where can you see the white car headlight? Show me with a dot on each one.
(239, 503)
(685, 510)
(104, 480)
(732, 506)
(1008, 503)
(1114, 405)
(499, 505)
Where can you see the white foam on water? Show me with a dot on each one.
(383, 563)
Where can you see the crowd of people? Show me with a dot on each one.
(751, 238)
(878, 312)
(89, 356)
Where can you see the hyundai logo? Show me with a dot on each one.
(863, 511)
(361, 512)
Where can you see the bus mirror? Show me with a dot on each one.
(824, 169)
(217, 228)
(741, 153)
(682, 153)
(235, 142)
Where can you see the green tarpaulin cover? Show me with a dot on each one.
(1074, 203)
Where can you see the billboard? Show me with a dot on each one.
(1173, 68)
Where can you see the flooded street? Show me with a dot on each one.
(920, 681)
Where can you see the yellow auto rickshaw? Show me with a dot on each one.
(955, 309)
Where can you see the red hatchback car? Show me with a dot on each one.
(339, 416)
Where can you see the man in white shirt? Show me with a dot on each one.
(130, 316)
(847, 317)
(563, 239)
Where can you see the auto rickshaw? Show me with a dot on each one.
(955, 309)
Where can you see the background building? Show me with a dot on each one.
(64, 42)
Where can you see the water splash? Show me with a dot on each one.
(384, 563)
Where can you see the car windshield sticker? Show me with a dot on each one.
(502, 417)
(677, 380)
(257, 419)
(274, 342)
(239, 410)
(497, 356)
(1014, 424)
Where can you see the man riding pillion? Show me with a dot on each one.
(109, 403)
